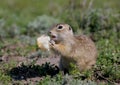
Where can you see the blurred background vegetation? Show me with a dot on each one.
(22, 21)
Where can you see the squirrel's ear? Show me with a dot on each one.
(70, 28)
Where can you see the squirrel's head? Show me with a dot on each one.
(60, 32)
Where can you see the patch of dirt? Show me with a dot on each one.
(29, 73)
(25, 71)
(10, 58)
(52, 60)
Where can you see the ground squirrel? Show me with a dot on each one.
(79, 50)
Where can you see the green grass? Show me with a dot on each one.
(101, 21)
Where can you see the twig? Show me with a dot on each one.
(105, 78)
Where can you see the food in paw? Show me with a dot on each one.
(43, 42)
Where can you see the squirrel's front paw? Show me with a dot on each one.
(52, 43)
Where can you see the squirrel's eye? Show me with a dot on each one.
(60, 27)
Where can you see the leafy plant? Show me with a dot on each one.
(41, 24)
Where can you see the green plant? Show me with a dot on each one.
(73, 69)
(41, 24)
